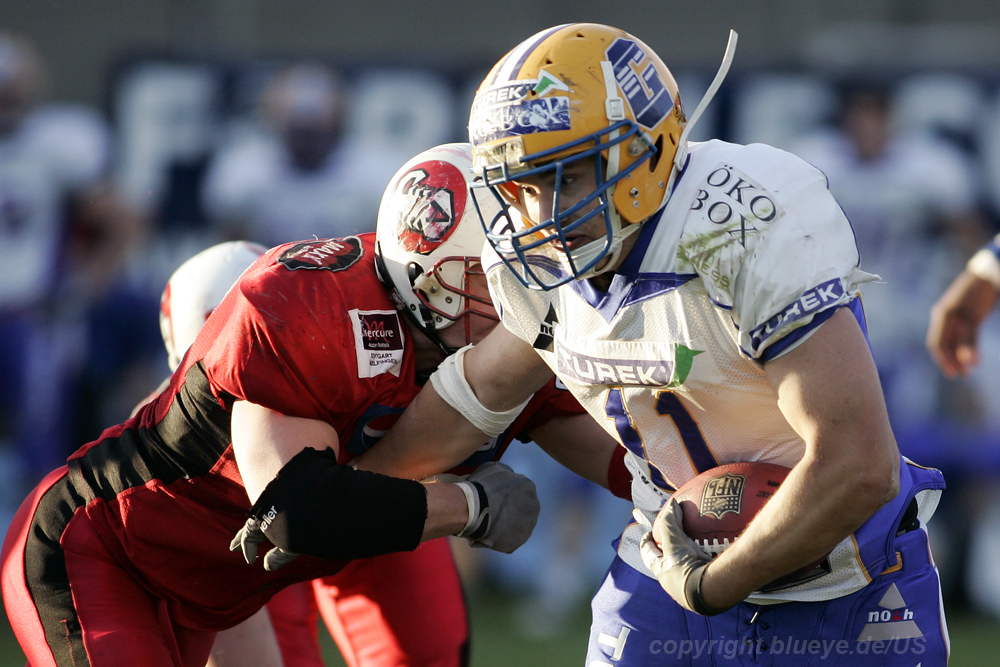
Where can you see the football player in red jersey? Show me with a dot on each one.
(119, 558)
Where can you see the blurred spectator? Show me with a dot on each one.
(63, 236)
(959, 327)
(300, 176)
(913, 200)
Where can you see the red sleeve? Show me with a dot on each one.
(274, 350)
(619, 478)
(283, 337)
(548, 403)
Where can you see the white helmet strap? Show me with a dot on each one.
(727, 59)
(592, 249)
(614, 106)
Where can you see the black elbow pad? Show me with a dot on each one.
(318, 507)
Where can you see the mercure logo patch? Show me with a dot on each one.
(378, 341)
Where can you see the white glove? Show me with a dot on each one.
(247, 539)
(503, 507)
(676, 561)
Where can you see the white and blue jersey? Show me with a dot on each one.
(748, 257)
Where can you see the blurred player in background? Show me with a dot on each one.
(299, 176)
(912, 199)
(64, 234)
(702, 302)
(953, 339)
(120, 557)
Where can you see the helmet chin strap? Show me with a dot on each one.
(596, 247)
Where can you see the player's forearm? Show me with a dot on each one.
(828, 390)
(473, 396)
(819, 504)
(428, 439)
(504, 371)
(579, 444)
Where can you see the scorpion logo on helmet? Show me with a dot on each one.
(431, 194)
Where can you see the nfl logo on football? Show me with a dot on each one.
(723, 494)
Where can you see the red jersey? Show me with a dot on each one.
(308, 331)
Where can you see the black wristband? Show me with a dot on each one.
(692, 591)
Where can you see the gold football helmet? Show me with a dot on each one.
(574, 92)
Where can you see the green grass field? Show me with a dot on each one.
(499, 641)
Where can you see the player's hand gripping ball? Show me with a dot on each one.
(718, 504)
(700, 520)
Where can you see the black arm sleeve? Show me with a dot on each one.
(317, 507)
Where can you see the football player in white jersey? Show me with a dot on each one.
(702, 301)
(299, 175)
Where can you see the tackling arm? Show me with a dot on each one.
(432, 436)
(264, 441)
(580, 444)
(304, 501)
(828, 390)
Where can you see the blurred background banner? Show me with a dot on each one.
(134, 134)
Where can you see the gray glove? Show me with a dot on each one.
(247, 539)
(675, 560)
(503, 507)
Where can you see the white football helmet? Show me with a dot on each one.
(196, 288)
(429, 240)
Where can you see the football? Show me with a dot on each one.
(719, 503)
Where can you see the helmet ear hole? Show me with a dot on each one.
(654, 159)
(413, 271)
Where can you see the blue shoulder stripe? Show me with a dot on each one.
(775, 350)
